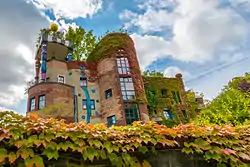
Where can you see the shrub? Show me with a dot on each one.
(31, 140)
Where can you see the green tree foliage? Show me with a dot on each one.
(153, 73)
(232, 106)
(83, 42)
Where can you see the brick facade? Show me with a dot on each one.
(109, 80)
(101, 75)
(56, 94)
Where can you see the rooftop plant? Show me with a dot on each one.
(31, 140)
(85, 43)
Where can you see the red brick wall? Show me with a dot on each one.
(56, 94)
(108, 79)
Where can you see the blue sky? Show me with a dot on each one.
(206, 40)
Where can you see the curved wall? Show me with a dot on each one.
(130, 53)
(109, 79)
(56, 94)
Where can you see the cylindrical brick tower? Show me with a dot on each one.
(50, 88)
(119, 74)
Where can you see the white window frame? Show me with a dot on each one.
(64, 79)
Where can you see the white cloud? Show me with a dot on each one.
(149, 48)
(202, 31)
(173, 70)
(149, 21)
(19, 29)
(70, 9)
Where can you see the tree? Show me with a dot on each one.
(83, 42)
(232, 106)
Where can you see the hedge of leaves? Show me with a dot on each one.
(32, 139)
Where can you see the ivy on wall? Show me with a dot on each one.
(29, 141)
(107, 45)
(157, 101)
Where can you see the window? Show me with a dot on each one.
(111, 120)
(41, 102)
(164, 93)
(92, 104)
(123, 65)
(131, 113)
(108, 93)
(32, 104)
(83, 81)
(61, 79)
(168, 114)
(184, 114)
(127, 88)
(84, 104)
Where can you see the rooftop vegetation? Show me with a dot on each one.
(85, 44)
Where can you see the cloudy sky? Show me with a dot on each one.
(206, 40)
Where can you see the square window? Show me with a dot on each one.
(61, 79)
(111, 120)
(32, 104)
(108, 93)
(41, 102)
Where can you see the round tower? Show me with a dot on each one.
(50, 88)
(122, 92)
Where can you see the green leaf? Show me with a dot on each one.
(209, 155)
(221, 165)
(187, 150)
(115, 160)
(143, 149)
(102, 154)
(25, 153)
(51, 153)
(202, 144)
(108, 146)
(28, 162)
(3, 154)
(38, 161)
(90, 153)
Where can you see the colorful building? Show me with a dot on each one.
(107, 87)
(103, 88)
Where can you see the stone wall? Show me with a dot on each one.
(56, 94)
(166, 158)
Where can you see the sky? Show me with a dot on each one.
(205, 40)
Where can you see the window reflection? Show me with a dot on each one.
(127, 88)
(123, 65)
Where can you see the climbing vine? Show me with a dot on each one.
(33, 141)
(107, 46)
(156, 102)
